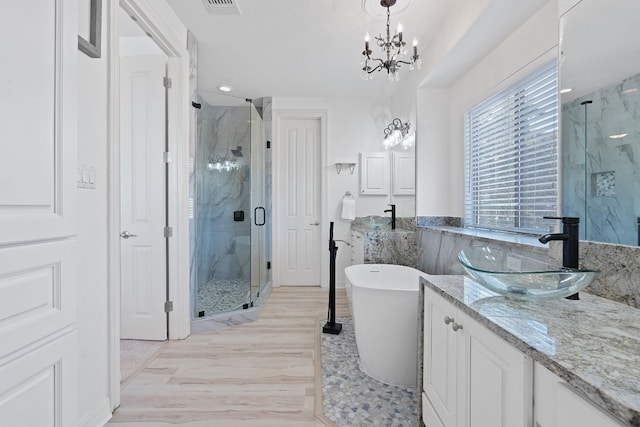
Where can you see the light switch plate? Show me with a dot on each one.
(86, 177)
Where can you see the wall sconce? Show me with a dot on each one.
(398, 133)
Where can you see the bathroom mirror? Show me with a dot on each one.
(600, 125)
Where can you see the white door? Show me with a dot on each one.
(38, 249)
(298, 210)
(142, 192)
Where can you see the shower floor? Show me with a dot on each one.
(222, 295)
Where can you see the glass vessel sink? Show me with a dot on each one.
(518, 277)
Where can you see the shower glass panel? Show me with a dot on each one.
(259, 218)
(222, 209)
(232, 207)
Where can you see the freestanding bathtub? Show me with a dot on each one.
(384, 300)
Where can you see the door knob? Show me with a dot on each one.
(125, 234)
(315, 223)
(447, 320)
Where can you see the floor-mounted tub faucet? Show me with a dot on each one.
(570, 238)
(393, 216)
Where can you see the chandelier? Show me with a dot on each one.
(398, 133)
(394, 48)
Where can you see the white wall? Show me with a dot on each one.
(93, 347)
(93, 385)
(440, 151)
(354, 125)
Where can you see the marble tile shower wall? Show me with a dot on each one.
(438, 247)
(612, 174)
(219, 194)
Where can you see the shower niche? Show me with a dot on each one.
(230, 228)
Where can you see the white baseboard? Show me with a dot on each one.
(98, 417)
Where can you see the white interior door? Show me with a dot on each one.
(299, 201)
(142, 169)
(38, 249)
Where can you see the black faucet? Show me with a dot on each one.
(570, 237)
(393, 216)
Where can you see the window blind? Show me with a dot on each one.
(511, 150)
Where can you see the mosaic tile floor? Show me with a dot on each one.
(222, 295)
(351, 397)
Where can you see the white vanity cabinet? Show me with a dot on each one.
(374, 173)
(403, 173)
(471, 377)
(558, 405)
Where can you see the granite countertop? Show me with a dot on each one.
(593, 344)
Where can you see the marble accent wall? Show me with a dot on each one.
(442, 221)
(219, 193)
(619, 267)
(438, 248)
(373, 241)
(600, 184)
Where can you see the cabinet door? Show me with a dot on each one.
(403, 172)
(374, 173)
(439, 371)
(496, 379)
(557, 405)
(573, 410)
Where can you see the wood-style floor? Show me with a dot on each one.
(258, 374)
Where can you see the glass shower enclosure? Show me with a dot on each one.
(231, 212)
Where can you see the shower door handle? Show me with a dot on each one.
(255, 216)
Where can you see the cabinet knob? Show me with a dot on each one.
(447, 320)
(456, 326)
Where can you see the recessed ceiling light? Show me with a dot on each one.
(225, 88)
(618, 136)
(567, 90)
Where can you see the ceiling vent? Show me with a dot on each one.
(221, 7)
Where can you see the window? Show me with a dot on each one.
(511, 150)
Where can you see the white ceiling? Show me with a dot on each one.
(313, 48)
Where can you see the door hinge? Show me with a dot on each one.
(168, 306)
(167, 157)
(268, 144)
(268, 265)
(167, 82)
(168, 232)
